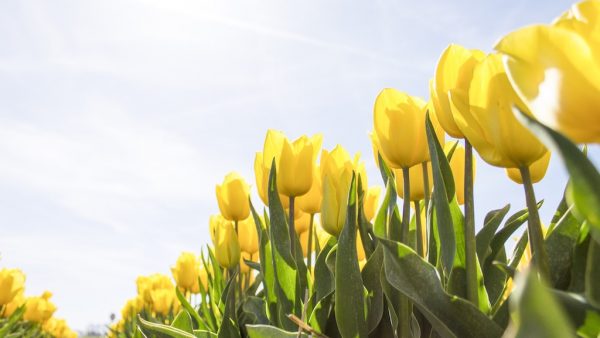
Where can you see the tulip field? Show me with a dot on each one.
(324, 254)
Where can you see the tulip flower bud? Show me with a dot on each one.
(559, 79)
(227, 247)
(11, 307)
(163, 301)
(145, 284)
(417, 183)
(295, 166)
(39, 309)
(399, 121)
(490, 124)
(132, 307)
(248, 236)
(537, 170)
(371, 202)
(58, 328)
(457, 164)
(311, 201)
(453, 73)
(12, 283)
(262, 164)
(186, 270)
(336, 173)
(232, 196)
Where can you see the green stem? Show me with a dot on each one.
(406, 207)
(534, 226)
(292, 229)
(426, 185)
(470, 243)
(239, 267)
(420, 248)
(310, 240)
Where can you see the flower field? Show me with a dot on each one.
(325, 254)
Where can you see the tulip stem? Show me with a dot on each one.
(292, 227)
(310, 240)
(426, 186)
(406, 207)
(470, 243)
(534, 226)
(420, 248)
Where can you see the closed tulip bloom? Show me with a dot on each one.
(145, 284)
(12, 283)
(537, 170)
(371, 202)
(247, 235)
(489, 124)
(399, 121)
(232, 196)
(186, 270)
(311, 201)
(163, 301)
(336, 173)
(262, 164)
(39, 309)
(417, 184)
(132, 307)
(58, 328)
(453, 73)
(227, 247)
(14, 304)
(555, 69)
(457, 164)
(296, 165)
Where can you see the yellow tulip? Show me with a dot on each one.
(163, 301)
(417, 184)
(145, 284)
(12, 283)
(555, 69)
(272, 149)
(453, 73)
(489, 124)
(132, 307)
(457, 164)
(232, 196)
(537, 170)
(322, 235)
(371, 202)
(311, 201)
(244, 268)
(39, 309)
(248, 236)
(227, 247)
(186, 270)
(399, 121)
(336, 173)
(11, 307)
(58, 328)
(296, 165)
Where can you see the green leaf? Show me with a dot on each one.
(164, 329)
(442, 194)
(418, 280)
(578, 267)
(349, 298)
(582, 314)
(484, 237)
(560, 245)
(537, 313)
(204, 334)
(584, 178)
(324, 285)
(12, 320)
(229, 327)
(188, 307)
(592, 274)
(287, 282)
(267, 331)
(371, 274)
(183, 321)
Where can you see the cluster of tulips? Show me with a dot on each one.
(31, 316)
(331, 256)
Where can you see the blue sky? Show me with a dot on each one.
(117, 118)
